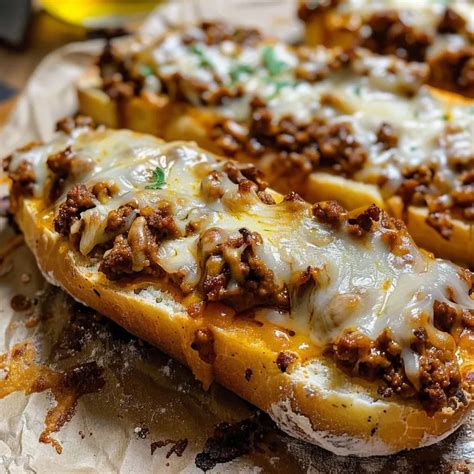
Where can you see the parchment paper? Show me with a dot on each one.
(147, 397)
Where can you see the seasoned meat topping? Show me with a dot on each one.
(441, 221)
(118, 260)
(78, 199)
(440, 380)
(64, 164)
(299, 148)
(213, 32)
(235, 258)
(285, 359)
(451, 22)
(389, 34)
(117, 219)
(425, 186)
(454, 70)
(23, 179)
(161, 221)
(203, 343)
(69, 124)
(387, 136)
(329, 212)
(364, 222)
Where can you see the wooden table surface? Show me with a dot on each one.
(46, 33)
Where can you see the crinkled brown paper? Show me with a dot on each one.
(147, 398)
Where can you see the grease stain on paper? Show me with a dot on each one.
(22, 373)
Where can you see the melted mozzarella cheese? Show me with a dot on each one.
(360, 284)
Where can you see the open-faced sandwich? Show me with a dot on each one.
(438, 32)
(329, 123)
(333, 322)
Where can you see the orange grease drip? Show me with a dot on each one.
(272, 337)
(24, 374)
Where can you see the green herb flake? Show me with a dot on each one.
(272, 63)
(146, 70)
(471, 110)
(158, 179)
(199, 52)
(280, 84)
(238, 70)
(357, 90)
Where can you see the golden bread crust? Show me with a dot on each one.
(315, 402)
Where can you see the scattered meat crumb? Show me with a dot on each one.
(248, 374)
(231, 441)
(178, 447)
(20, 303)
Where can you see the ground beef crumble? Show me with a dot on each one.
(203, 343)
(161, 221)
(63, 164)
(451, 22)
(69, 124)
(117, 218)
(23, 179)
(424, 186)
(329, 212)
(363, 223)
(78, 199)
(118, 260)
(389, 34)
(225, 258)
(285, 359)
(439, 376)
(299, 149)
(454, 70)
(230, 441)
(214, 32)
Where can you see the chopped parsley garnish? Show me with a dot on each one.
(199, 52)
(471, 110)
(357, 90)
(274, 65)
(240, 69)
(146, 70)
(280, 84)
(158, 179)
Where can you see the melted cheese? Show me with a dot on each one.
(360, 283)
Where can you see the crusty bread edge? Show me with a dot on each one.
(315, 402)
(173, 122)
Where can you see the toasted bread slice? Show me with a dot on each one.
(355, 127)
(259, 292)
